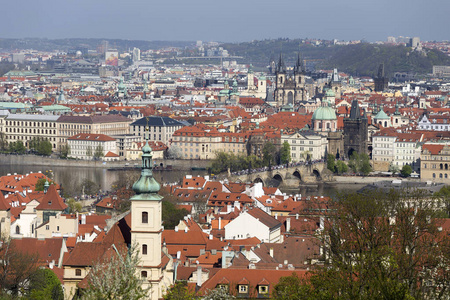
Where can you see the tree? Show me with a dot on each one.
(44, 148)
(406, 171)
(331, 164)
(3, 142)
(291, 287)
(179, 291)
(39, 186)
(16, 268)
(341, 167)
(89, 151)
(64, 151)
(98, 154)
(114, 276)
(74, 206)
(174, 152)
(360, 163)
(218, 294)
(381, 246)
(44, 284)
(171, 215)
(285, 153)
(269, 153)
(88, 187)
(17, 147)
(443, 198)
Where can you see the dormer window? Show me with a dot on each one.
(263, 289)
(243, 289)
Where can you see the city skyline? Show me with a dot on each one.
(231, 22)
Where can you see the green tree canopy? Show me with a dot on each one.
(341, 167)
(98, 154)
(269, 154)
(406, 171)
(44, 285)
(17, 147)
(376, 247)
(64, 151)
(331, 164)
(39, 186)
(179, 291)
(171, 215)
(285, 153)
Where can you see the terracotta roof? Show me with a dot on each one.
(252, 276)
(48, 250)
(91, 137)
(433, 149)
(52, 200)
(264, 218)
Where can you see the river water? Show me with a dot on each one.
(71, 178)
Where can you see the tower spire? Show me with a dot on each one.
(147, 184)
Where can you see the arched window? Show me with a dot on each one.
(441, 166)
(440, 175)
(434, 175)
(144, 274)
(144, 217)
(144, 249)
(17, 229)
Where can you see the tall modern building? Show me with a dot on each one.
(136, 54)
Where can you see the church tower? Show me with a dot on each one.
(146, 220)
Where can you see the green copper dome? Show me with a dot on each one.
(381, 115)
(330, 93)
(324, 113)
(146, 187)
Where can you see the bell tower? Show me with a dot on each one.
(146, 228)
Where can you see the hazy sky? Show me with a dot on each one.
(229, 21)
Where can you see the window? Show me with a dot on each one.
(144, 249)
(78, 272)
(263, 289)
(144, 274)
(47, 227)
(17, 229)
(144, 217)
(243, 288)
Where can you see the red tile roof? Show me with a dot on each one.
(52, 200)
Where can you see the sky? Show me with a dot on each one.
(226, 21)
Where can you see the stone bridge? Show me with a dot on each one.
(290, 176)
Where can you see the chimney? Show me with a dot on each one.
(296, 216)
(228, 208)
(178, 254)
(276, 216)
(271, 252)
(288, 224)
(83, 219)
(186, 230)
(176, 228)
(322, 225)
(199, 276)
(220, 223)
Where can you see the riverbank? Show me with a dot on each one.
(367, 179)
(36, 160)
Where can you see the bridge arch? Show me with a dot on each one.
(278, 177)
(298, 175)
(317, 174)
(258, 179)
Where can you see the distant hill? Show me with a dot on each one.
(92, 44)
(360, 59)
(364, 59)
